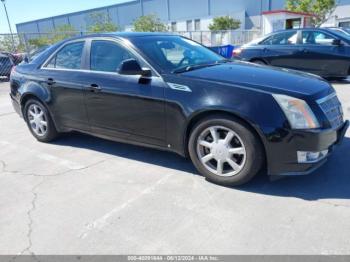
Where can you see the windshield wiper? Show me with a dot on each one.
(199, 66)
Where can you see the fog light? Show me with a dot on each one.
(311, 157)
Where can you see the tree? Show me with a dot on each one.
(6, 43)
(224, 23)
(101, 23)
(322, 9)
(60, 33)
(149, 23)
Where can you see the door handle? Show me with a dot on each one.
(94, 88)
(50, 81)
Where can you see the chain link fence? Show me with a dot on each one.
(16, 48)
(219, 38)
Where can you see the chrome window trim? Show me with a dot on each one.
(91, 71)
(118, 41)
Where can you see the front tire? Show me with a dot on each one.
(225, 150)
(39, 121)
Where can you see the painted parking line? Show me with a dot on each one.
(103, 221)
(43, 156)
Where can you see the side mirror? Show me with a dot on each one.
(132, 67)
(337, 42)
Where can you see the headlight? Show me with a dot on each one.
(298, 112)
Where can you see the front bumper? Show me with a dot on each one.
(282, 150)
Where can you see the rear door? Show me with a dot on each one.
(322, 56)
(62, 75)
(281, 49)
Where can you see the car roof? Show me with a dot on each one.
(126, 35)
(306, 28)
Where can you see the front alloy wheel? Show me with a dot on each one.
(221, 151)
(225, 150)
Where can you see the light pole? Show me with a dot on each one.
(8, 21)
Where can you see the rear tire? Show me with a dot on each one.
(230, 156)
(258, 62)
(39, 121)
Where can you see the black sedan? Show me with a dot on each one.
(168, 92)
(321, 51)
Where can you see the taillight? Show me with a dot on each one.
(237, 52)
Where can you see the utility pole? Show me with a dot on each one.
(8, 21)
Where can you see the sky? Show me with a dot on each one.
(27, 10)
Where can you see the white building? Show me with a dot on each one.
(180, 15)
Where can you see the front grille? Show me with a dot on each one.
(332, 107)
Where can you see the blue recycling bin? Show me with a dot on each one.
(225, 50)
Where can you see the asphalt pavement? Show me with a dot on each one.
(84, 195)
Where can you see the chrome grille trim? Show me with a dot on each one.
(332, 108)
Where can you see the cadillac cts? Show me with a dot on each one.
(167, 92)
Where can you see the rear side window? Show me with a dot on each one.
(69, 57)
(285, 38)
(107, 56)
(317, 38)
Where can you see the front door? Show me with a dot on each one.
(127, 107)
(321, 56)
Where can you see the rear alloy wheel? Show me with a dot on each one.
(39, 121)
(225, 151)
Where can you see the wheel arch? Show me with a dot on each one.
(35, 90)
(252, 60)
(27, 96)
(220, 112)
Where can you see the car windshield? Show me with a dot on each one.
(257, 40)
(176, 54)
(344, 32)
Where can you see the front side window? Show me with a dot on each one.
(173, 52)
(69, 57)
(285, 38)
(317, 38)
(107, 56)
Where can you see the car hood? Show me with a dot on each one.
(263, 78)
